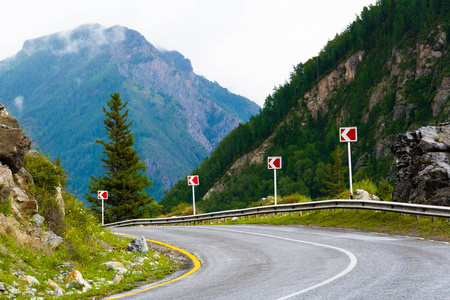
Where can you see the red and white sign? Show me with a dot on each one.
(274, 162)
(193, 180)
(102, 195)
(348, 134)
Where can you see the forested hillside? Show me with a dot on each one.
(386, 73)
(57, 84)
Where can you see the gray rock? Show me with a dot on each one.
(37, 219)
(138, 245)
(67, 266)
(51, 239)
(2, 287)
(14, 145)
(423, 166)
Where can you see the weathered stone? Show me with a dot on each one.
(53, 284)
(117, 278)
(138, 245)
(29, 280)
(67, 266)
(14, 145)
(3, 112)
(423, 164)
(364, 195)
(116, 267)
(37, 219)
(51, 239)
(75, 275)
(21, 203)
(60, 201)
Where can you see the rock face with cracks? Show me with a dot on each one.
(423, 163)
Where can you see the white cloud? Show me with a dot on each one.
(18, 103)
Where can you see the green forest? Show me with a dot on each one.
(306, 142)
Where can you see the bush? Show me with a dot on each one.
(367, 185)
(5, 207)
(384, 191)
(47, 177)
(294, 198)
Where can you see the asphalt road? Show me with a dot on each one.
(295, 262)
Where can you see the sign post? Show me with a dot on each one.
(103, 195)
(274, 162)
(349, 134)
(193, 181)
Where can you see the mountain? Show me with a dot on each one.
(386, 73)
(57, 84)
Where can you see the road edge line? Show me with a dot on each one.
(194, 259)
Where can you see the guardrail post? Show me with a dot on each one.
(417, 217)
(300, 213)
(434, 218)
(256, 216)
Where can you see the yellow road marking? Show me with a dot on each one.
(194, 259)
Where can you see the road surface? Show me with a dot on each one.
(296, 262)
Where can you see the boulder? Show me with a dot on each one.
(361, 194)
(423, 166)
(51, 239)
(29, 280)
(138, 245)
(14, 145)
(37, 220)
(22, 204)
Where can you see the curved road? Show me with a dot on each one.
(295, 262)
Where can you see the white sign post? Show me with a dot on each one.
(274, 163)
(103, 195)
(193, 181)
(349, 134)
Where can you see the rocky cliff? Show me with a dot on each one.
(14, 179)
(414, 88)
(422, 158)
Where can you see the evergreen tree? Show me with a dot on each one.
(125, 178)
(334, 178)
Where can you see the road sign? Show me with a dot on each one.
(102, 195)
(193, 180)
(348, 134)
(274, 162)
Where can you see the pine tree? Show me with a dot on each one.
(334, 181)
(125, 178)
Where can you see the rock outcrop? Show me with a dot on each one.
(14, 145)
(423, 163)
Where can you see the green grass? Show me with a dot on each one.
(376, 221)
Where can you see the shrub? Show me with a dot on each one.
(367, 185)
(294, 198)
(384, 191)
(5, 207)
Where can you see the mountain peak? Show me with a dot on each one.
(87, 36)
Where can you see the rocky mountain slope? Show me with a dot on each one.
(56, 85)
(385, 74)
(50, 246)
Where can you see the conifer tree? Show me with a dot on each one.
(125, 178)
(334, 181)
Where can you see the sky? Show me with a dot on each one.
(247, 46)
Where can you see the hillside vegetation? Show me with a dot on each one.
(386, 73)
(39, 252)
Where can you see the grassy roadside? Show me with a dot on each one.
(365, 220)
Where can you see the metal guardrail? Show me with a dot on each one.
(398, 207)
